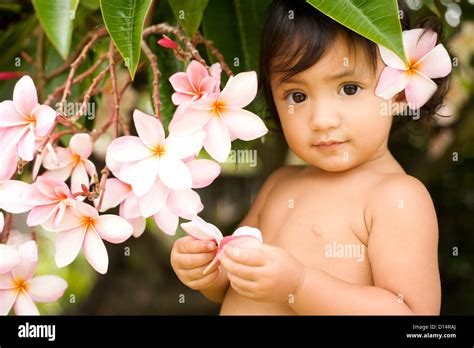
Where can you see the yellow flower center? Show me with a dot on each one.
(21, 285)
(217, 108)
(159, 150)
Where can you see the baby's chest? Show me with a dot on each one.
(321, 229)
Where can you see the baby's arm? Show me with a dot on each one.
(216, 292)
(403, 255)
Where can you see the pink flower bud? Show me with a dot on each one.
(166, 42)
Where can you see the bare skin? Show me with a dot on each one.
(352, 197)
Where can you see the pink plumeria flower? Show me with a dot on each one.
(24, 119)
(166, 42)
(50, 199)
(150, 155)
(164, 204)
(83, 228)
(196, 83)
(222, 117)
(244, 236)
(18, 288)
(72, 162)
(426, 60)
(9, 256)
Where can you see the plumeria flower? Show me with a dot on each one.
(18, 288)
(83, 228)
(72, 162)
(426, 61)
(196, 83)
(50, 198)
(23, 118)
(150, 155)
(222, 117)
(164, 204)
(244, 236)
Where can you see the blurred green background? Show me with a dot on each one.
(140, 279)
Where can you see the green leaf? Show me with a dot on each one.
(432, 6)
(378, 20)
(189, 13)
(56, 18)
(124, 20)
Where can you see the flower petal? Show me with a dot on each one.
(8, 298)
(180, 83)
(40, 214)
(184, 203)
(29, 259)
(391, 59)
(248, 231)
(217, 142)
(174, 173)
(61, 158)
(113, 228)
(196, 72)
(149, 129)
(418, 42)
(79, 177)
(24, 305)
(115, 193)
(419, 90)
(9, 117)
(11, 193)
(62, 173)
(9, 258)
(129, 208)
(189, 121)
(436, 63)
(128, 149)
(151, 202)
(26, 146)
(184, 146)
(24, 95)
(8, 162)
(240, 90)
(139, 225)
(141, 175)
(82, 145)
(200, 229)
(68, 244)
(45, 117)
(391, 82)
(95, 252)
(243, 124)
(203, 172)
(47, 288)
(166, 221)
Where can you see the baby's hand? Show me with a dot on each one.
(264, 274)
(189, 258)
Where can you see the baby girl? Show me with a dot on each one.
(350, 233)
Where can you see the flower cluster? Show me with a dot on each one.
(154, 176)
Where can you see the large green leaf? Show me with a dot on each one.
(189, 13)
(56, 18)
(124, 21)
(378, 20)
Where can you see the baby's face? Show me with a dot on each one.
(334, 101)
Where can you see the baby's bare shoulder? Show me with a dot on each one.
(398, 191)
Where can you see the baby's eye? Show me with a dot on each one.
(349, 89)
(295, 98)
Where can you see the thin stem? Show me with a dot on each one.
(156, 77)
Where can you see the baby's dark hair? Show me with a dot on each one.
(298, 35)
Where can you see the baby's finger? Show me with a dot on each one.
(189, 245)
(246, 256)
(192, 261)
(205, 281)
(238, 269)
